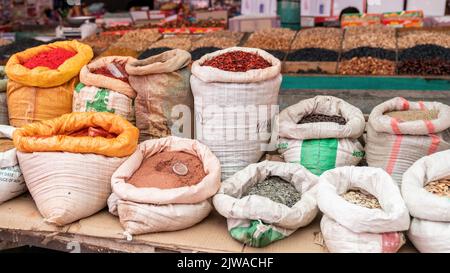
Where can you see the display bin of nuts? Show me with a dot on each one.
(214, 41)
(363, 211)
(426, 190)
(314, 50)
(100, 42)
(276, 41)
(368, 50)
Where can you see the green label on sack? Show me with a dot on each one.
(283, 145)
(256, 235)
(360, 154)
(79, 87)
(319, 155)
(100, 102)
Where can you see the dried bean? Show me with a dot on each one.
(199, 52)
(424, 52)
(413, 38)
(362, 199)
(237, 61)
(440, 187)
(379, 53)
(366, 66)
(326, 38)
(277, 190)
(412, 115)
(273, 39)
(371, 36)
(312, 118)
(153, 51)
(313, 55)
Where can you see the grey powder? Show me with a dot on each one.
(277, 190)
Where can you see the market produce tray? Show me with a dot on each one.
(21, 224)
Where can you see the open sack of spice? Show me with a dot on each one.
(164, 186)
(426, 190)
(67, 162)
(12, 183)
(321, 133)
(42, 80)
(4, 118)
(400, 132)
(163, 93)
(363, 211)
(267, 202)
(104, 87)
(230, 87)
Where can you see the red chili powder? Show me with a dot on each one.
(51, 59)
(105, 71)
(157, 171)
(93, 132)
(237, 61)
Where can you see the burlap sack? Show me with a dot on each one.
(348, 218)
(395, 146)
(321, 146)
(430, 229)
(259, 221)
(227, 106)
(163, 92)
(12, 183)
(42, 93)
(144, 210)
(98, 93)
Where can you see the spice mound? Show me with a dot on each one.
(238, 61)
(311, 118)
(93, 132)
(362, 199)
(412, 115)
(168, 170)
(277, 190)
(440, 187)
(114, 70)
(51, 59)
(6, 144)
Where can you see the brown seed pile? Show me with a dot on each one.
(440, 187)
(100, 43)
(174, 42)
(139, 40)
(119, 51)
(219, 42)
(4, 42)
(362, 199)
(237, 36)
(366, 66)
(412, 115)
(371, 36)
(326, 38)
(311, 118)
(412, 38)
(274, 39)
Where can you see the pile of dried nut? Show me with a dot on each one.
(412, 38)
(100, 43)
(362, 199)
(326, 38)
(237, 36)
(440, 187)
(272, 39)
(219, 42)
(366, 66)
(174, 42)
(138, 40)
(371, 36)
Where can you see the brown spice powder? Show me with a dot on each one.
(157, 171)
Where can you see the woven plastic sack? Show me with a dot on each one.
(144, 210)
(50, 135)
(258, 221)
(43, 93)
(99, 93)
(430, 229)
(163, 91)
(348, 218)
(12, 183)
(4, 119)
(69, 177)
(321, 146)
(227, 105)
(395, 146)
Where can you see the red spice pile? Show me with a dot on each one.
(157, 171)
(238, 61)
(93, 132)
(51, 59)
(105, 71)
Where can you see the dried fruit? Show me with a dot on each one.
(366, 66)
(237, 61)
